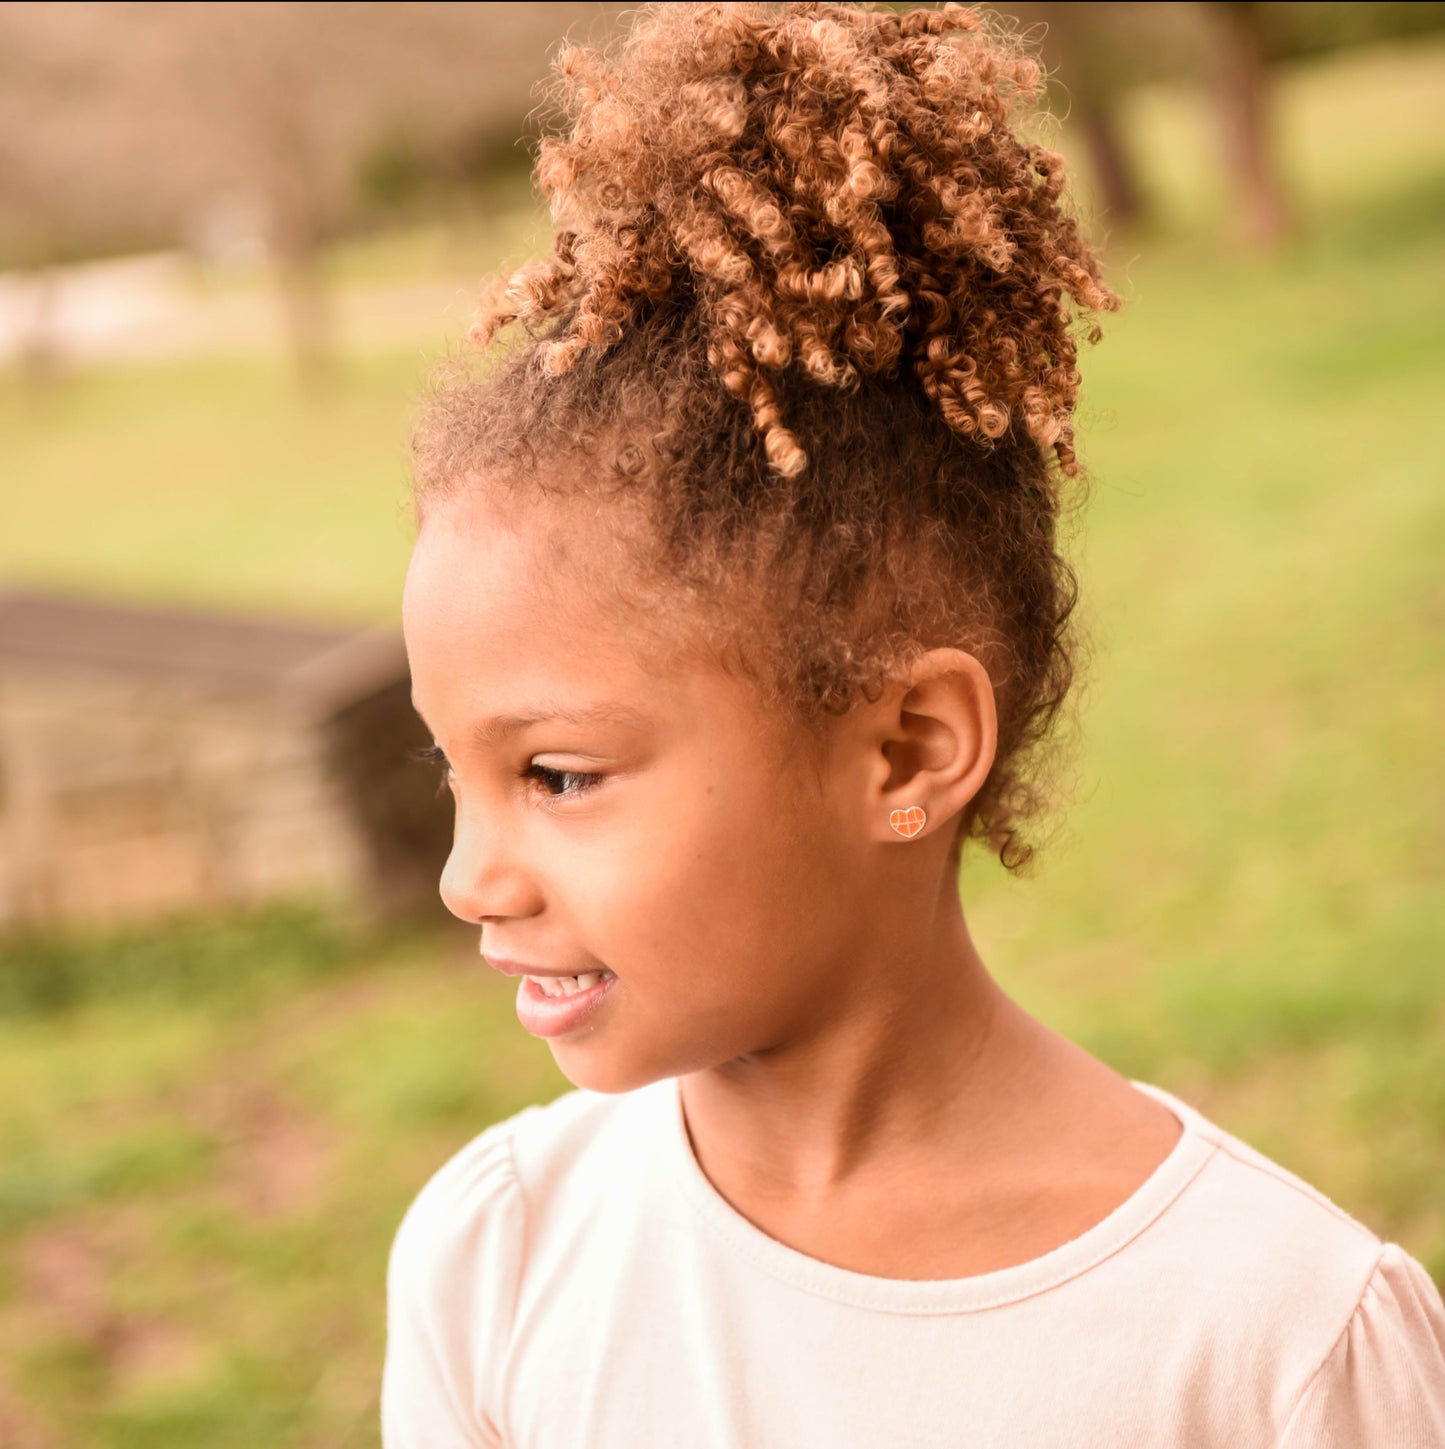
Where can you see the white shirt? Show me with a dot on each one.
(571, 1278)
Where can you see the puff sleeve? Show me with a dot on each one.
(1382, 1385)
(452, 1283)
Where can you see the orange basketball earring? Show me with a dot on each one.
(908, 822)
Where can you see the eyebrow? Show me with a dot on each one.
(492, 732)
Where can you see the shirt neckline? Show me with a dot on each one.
(1197, 1142)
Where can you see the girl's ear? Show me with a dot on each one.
(934, 738)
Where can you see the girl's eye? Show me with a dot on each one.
(560, 782)
(554, 783)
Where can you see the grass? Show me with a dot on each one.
(208, 1133)
(216, 482)
(200, 1170)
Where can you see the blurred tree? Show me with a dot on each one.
(305, 96)
(1081, 44)
(1292, 29)
(126, 124)
(270, 106)
(29, 223)
(1240, 67)
(1096, 50)
(1251, 38)
(134, 119)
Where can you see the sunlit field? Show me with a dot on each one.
(208, 1133)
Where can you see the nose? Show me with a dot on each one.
(485, 876)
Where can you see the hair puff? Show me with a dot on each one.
(834, 189)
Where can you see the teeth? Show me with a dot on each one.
(568, 985)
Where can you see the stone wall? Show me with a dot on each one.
(125, 795)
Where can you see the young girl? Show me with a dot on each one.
(736, 611)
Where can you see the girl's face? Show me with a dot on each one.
(648, 821)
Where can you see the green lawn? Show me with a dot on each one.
(207, 1137)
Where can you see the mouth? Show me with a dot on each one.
(553, 1005)
(553, 985)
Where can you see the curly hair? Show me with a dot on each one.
(814, 299)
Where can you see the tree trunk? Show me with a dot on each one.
(1243, 102)
(306, 308)
(1080, 45)
(1118, 191)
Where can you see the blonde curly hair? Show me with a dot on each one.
(813, 298)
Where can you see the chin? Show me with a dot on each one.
(600, 1061)
(599, 1071)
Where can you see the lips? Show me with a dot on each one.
(520, 968)
(551, 1012)
(548, 1016)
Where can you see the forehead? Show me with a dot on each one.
(510, 602)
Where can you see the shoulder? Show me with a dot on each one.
(518, 1172)
(477, 1184)
(1253, 1221)
(465, 1249)
(451, 1290)
(1292, 1281)
(453, 1270)
(580, 1131)
(1382, 1379)
(484, 1178)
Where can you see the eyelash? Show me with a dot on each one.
(433, 755)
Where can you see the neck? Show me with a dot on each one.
(921, 1125)
(920, 1046)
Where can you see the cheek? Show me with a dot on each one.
(722, 914)
(731, 878)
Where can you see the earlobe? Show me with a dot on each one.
(940, 734)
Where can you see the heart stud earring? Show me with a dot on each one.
(908, 822)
